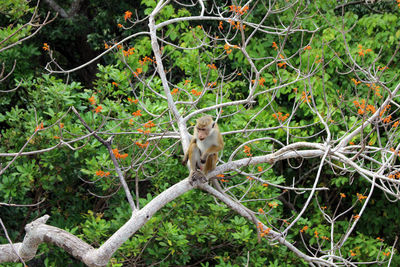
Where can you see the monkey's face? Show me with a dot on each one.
(202, 133)
(204, 126)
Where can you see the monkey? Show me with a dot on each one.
(202, 153)
(202, 156)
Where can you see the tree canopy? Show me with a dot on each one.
(98, 101)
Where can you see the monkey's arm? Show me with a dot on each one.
(188, 151)
(212, 149)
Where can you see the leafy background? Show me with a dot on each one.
(194, 229)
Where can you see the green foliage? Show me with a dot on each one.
(195, 229)
(14, 9)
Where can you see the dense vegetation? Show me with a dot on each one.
(332, 66)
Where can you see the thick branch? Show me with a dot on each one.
(38, 232)
(75, 5)
(242, 210)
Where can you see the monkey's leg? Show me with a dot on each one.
(211, 150)
(194, 156)
(196, 168)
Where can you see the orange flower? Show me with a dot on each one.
(102, 173)
(361, 106)
(92, 100)
(355, 81)
(128, 52)
(137, 113)
(387, 119)
(46, 47)
(281, 64)
(265, 232)
(247, 151)
(352, 253)
(260, 210)
(371, 108)
(274, 46)
(279, 116)
(387, 253)
(342, 195)
(384, 109)
(98, 109)
(396, 124)
(212, 66)
(362, 52)
(119, 25)
(39, 127)
(145, 60)
(174, 91)
(305, 228)
(273, 204)
(361, 197)
(380, 239)
(119, 156)
(356, 217)
(196, 93)
(211, 85)
(56, 137)
(239, 9)
(142, 145)
(220, 26)
(316, 234)
(127, 15)
(261, 81)
(227, 48)
(259, 168)
(61, 125)
(307, 47)
(149, 124)
(265, 185)
(305, 97)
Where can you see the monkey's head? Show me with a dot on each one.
(204, 126)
